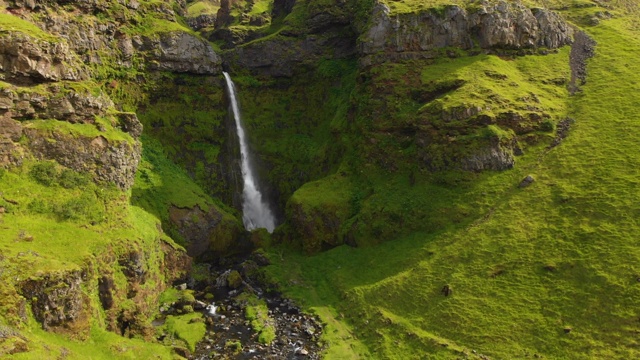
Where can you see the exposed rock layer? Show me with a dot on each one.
(500, 26)
(26, 59)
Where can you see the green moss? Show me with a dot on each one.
(54, 218)
(103, 345)
(199, 112)
(257, 313)
(184, 328)
(204, 7)
(110, 133)
(160, 185)
(234, 345)
(296, 126)
(10, 22)
(234, 280)
(169, 296)
(541, 257)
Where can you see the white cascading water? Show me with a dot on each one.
(255, 212)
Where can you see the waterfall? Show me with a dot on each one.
(255, 212)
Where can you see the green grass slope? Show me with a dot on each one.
(45, 211)
(546, 271)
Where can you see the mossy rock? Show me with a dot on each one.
(317, 212)
(234, 280)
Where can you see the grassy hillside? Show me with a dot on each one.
(550, 270)
(449, 263)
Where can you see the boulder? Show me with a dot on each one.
(493, 157)
(129, 123)
(208, 233)
(528, 180)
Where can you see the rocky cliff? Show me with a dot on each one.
(494, 27)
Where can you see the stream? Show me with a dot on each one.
(231, 336)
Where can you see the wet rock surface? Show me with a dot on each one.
(230, 334)
(297, 334)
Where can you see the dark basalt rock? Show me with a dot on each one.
(297, 334)
(201, 21)
(582, 49)
(528, 180)
(179, 51)
(282, 7)
(57, 301)
(208, 233)
(105, 292)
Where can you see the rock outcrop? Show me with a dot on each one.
(109, 160)
(201, 21)
(179, 51)
(282, 7)
(105, 42)
(58, 302)
(328, 33)
(26, 59)
(10, 134)
(317, 223)
(501, 26)
(61, 303)
(494, 157)
(53, 101)
(277, 58)
(209, 234)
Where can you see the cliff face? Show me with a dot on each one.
(491, 27)
(47, 83)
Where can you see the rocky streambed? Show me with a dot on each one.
(244, 317)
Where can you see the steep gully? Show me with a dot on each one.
(296, 334)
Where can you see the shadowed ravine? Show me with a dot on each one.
(255, 212)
